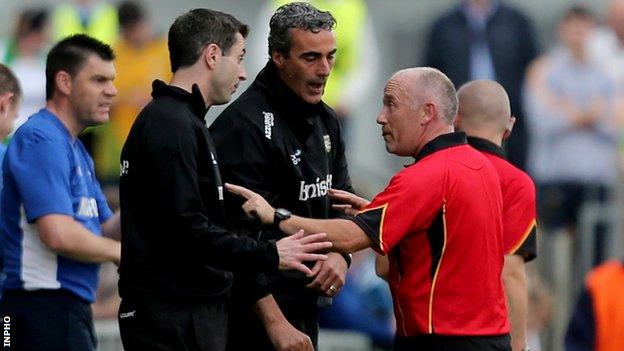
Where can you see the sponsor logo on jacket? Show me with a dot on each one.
(123, 170)
(327, 142)
(317, 189)
(269, 122)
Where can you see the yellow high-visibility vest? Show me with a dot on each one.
(103, 23)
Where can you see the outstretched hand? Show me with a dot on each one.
(255, 206)
(350, 203)
(293, 250)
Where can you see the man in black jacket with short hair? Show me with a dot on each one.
(174, 281)
(280, 140)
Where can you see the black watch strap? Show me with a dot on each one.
(280, 215)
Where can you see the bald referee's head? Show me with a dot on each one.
(484, 111)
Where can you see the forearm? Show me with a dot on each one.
(269, 312)
(63, 235)
(112, 227)
(346, 236)
(514, 279)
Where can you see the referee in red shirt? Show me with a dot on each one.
(485, 116)
(439, 221)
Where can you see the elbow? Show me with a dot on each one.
(382, 271)
(53, 240)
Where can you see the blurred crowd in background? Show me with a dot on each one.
(566, 92)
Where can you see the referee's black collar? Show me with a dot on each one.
(485, 145)
(441, 142)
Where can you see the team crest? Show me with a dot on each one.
(327, 142)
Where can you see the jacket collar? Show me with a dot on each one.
(194, 98)
(486, 146)
(441, 142)
(294, 108)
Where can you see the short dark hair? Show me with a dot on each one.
(8, 82)
(130, 13)
(70, 55)
(193, 31)
(29, 21)
(578, 12)
(300, 15)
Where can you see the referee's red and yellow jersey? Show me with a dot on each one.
(439, 221)
(519, 206)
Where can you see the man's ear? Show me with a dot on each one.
(63, 82)
(429, 110)
(212, 54)
(5, 103)
(278, 58)
(510, 125)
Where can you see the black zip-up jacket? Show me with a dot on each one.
(291, 152)
(171, 199)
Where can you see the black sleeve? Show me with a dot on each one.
(341, 179)
(582, 328)
(432, 51)
(244, 160)
(176, 147)
(529, 40)
(528, 249)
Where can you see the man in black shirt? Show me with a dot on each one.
(173, 279)
(280, 140)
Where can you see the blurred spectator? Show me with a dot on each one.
(357, 60)
(142, 57)
(364, 303)
(25, 55)
(606, 49)
(598, 320)
(574, 149)
(540, 308)
(96, 18)
(486, 39)
(10, 98)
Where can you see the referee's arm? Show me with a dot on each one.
(345, 235)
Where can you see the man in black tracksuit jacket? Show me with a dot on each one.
(173, 279)
(273, 141)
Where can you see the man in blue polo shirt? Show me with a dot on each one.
(55, 223)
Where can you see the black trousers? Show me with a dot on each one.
(46, 320)
(163, 325)
(453, 343)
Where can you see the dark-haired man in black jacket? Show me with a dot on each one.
(174, 279)
(280, 140)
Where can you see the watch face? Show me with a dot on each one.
(282, 213)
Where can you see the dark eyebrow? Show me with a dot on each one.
(317, 54)
(311, 53)
(101, 76)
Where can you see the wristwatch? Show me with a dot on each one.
(280, 215)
